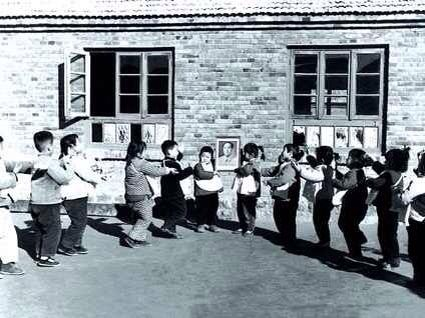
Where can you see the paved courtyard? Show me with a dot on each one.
(207, 275)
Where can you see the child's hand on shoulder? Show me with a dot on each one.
(296, 166)
(172, 170)
(17, 168)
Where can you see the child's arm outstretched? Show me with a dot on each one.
(200, 174)
(151, 170)
(309, 173)
(245, 170)
(287, 175)
(347, 181)
(60, 172)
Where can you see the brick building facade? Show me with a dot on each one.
(345, 73)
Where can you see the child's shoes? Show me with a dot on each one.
(11, 269)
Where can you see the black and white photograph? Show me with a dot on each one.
(212, 159)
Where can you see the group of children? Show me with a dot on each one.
(67, 181)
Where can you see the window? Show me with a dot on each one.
(126, 94)
(337, 97)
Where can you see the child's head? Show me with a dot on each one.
(43, 142)
(291, 151)
(324, 155)
(261, 154)
(206, 154)
(356, 159)
(250, 151)
(420, 170)
(397, 159)
(135, 149)
(70, 144)
(170, 148)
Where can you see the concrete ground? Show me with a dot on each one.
(208, 275)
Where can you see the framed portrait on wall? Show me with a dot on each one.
(227, 153)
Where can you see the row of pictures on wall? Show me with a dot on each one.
(338, 137)
(117, 133)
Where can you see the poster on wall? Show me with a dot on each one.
(148, 133)
(370, 137)
(313, 136)
(123, 133)
(327, 136)
(227, 152)
(356, 137)
(109, 133)
(298, 135)
(341, 137)
(161, 133)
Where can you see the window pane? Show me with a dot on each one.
(130, 104)
(158, 64)
(336, 63)
(157, 84)
(306, 63)
(96, 132)
(157, 104)
(78, 103)
(305, 105)
(367, 105)
(78, 83)
(367, 84)
(305, 84)
(130, 84)
(78, 64)
(130, 64)
(368, 63)
(336, 85)
(136, 132)
(336, 106)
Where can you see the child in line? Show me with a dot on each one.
(8, 239)
(321, 176)
(75, 194)
(138, 192)
(415, 197)
(248, 188)
(353, 207)
(172, 194)
(285, 190)
(388, 183)
(207, 187)
(47, 177)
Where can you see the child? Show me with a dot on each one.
(389, 182)
(75, 194)
(353, 207)
(322, 201)
(285, 190)
(172, 195)
(248, 188)
(138, 193)
(207, 186)
(48, 175)
(8, 239)
(415, 196)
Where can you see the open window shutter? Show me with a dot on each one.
(77, 84)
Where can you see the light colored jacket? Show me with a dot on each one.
(7, 181)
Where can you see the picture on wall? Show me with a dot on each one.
(313, 136)
(327, 136)
(227, 153)
(109, 133)
(148, 133)
(123, 133)
(341, 137)
(356, 137)
(370, 137)
(161, 133)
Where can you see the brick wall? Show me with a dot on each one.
(226, 83)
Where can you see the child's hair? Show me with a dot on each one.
(297, 153)
(358, 158)
(41, 138)
(180, 156)
(1, 139)
(134, 148)
(167, 145)
(66, 142)
(251, 149)
(263, 155)
(397, 159)
(324, 155)
(206, 149)
(420, 170)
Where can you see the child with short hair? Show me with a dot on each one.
(75, 194)
(174, 202)
(285, 190)
(321, 174)
(353, 207)
(138, 192)
(388, 184)
(248, 188)
(47, 177)
(8, 239)
(207, 187)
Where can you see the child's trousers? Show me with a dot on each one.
(143, 209)
(8, 238)
(48, 228)
(285, 214)
(77, 212)
(175, 211)
(349, 221)
(416, 239)
(206, 207)
(387, 235)
(321, 215)
(246, 209)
